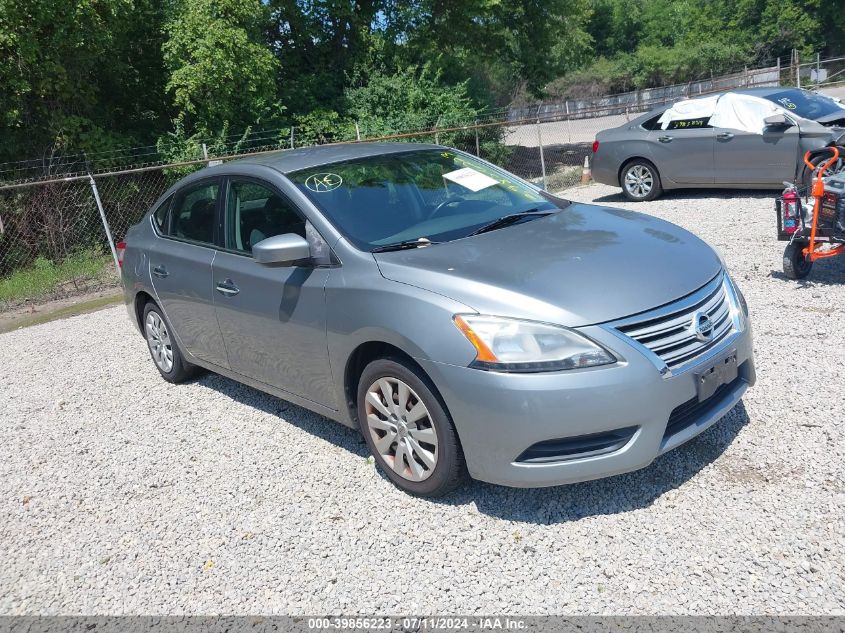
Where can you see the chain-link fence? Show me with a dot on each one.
(55, 233)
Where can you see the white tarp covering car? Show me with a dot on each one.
(730, 110)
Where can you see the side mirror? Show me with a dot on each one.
(281, 249)
(778, 120)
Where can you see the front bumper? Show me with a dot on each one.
(498, 416)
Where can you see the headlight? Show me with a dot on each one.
(511, 345)
(741, 297)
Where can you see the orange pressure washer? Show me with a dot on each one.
(818, 232)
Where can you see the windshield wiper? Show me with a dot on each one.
(507, 220)
(403, 245)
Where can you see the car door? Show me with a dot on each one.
(273, 317)
(744, 157)
(683, 153)
(180, 269)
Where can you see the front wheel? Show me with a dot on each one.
(640, 180)
(795, 264)
(163, 348)
(407, 429)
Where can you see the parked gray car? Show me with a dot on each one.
(742, 139)
(462, 319)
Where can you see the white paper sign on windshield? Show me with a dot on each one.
(471, 179)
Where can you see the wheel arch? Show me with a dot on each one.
(141, 299)
(364, 354)
(628, 161)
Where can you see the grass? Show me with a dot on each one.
(48, 279)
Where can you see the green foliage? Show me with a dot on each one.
(78, 75)
(46, 278)
(221, 72)
(408, 100)
(319, 127)
(94, 75)
(642, 43)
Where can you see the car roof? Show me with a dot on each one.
(290, 160)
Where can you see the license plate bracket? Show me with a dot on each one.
(722, 372)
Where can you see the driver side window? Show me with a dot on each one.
(254, 213)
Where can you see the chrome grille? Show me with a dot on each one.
(669, 332)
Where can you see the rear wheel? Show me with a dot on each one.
(640, 180)
(795, 264)
(164, 350)
(407, 429)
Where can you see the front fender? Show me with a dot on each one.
(378, 310)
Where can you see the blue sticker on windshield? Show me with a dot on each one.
(320, 183)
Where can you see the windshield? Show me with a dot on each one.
(806, 104)
(439, 195)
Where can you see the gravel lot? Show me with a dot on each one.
(122, 494)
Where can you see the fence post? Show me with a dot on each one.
(818, 70)
(477, 144)
(797, 68)
(105, 223)
(357, 131)
(542, 156)
(778, 71)
(291, 137)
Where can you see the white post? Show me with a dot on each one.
(477, 144)
(778, 71)
(818, 70)
(542, 156)
(291, 137)
(357, 131)
(105, 223)
(204, 152)
(797, 68)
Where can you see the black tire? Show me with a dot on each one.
(449, 471)
(646, 169)
(180, 370)
(795, 265)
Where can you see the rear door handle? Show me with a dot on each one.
(724, 136)
(664, 139)
(160, 272)
(228, 288)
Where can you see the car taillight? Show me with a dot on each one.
(595, 146)
(121, 249)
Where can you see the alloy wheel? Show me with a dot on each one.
(158, 338)
(401, 428)
(639, 181)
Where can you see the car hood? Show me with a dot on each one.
(581, 266)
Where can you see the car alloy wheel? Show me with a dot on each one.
(639, 181)
(401, 428)
(158, 338)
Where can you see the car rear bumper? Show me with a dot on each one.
(603, 171)
(607, 420)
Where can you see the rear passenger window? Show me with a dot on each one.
(160, 215)
(255, 213)
(194, 213)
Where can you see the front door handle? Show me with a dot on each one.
(724, 136)
(664, 139)
(228, 288)
(160, 272)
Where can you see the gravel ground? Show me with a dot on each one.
(122, 494)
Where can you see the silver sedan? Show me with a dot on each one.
(743, 139)
(464, 321)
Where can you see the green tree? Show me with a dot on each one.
(221, 70)
(78, 75)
